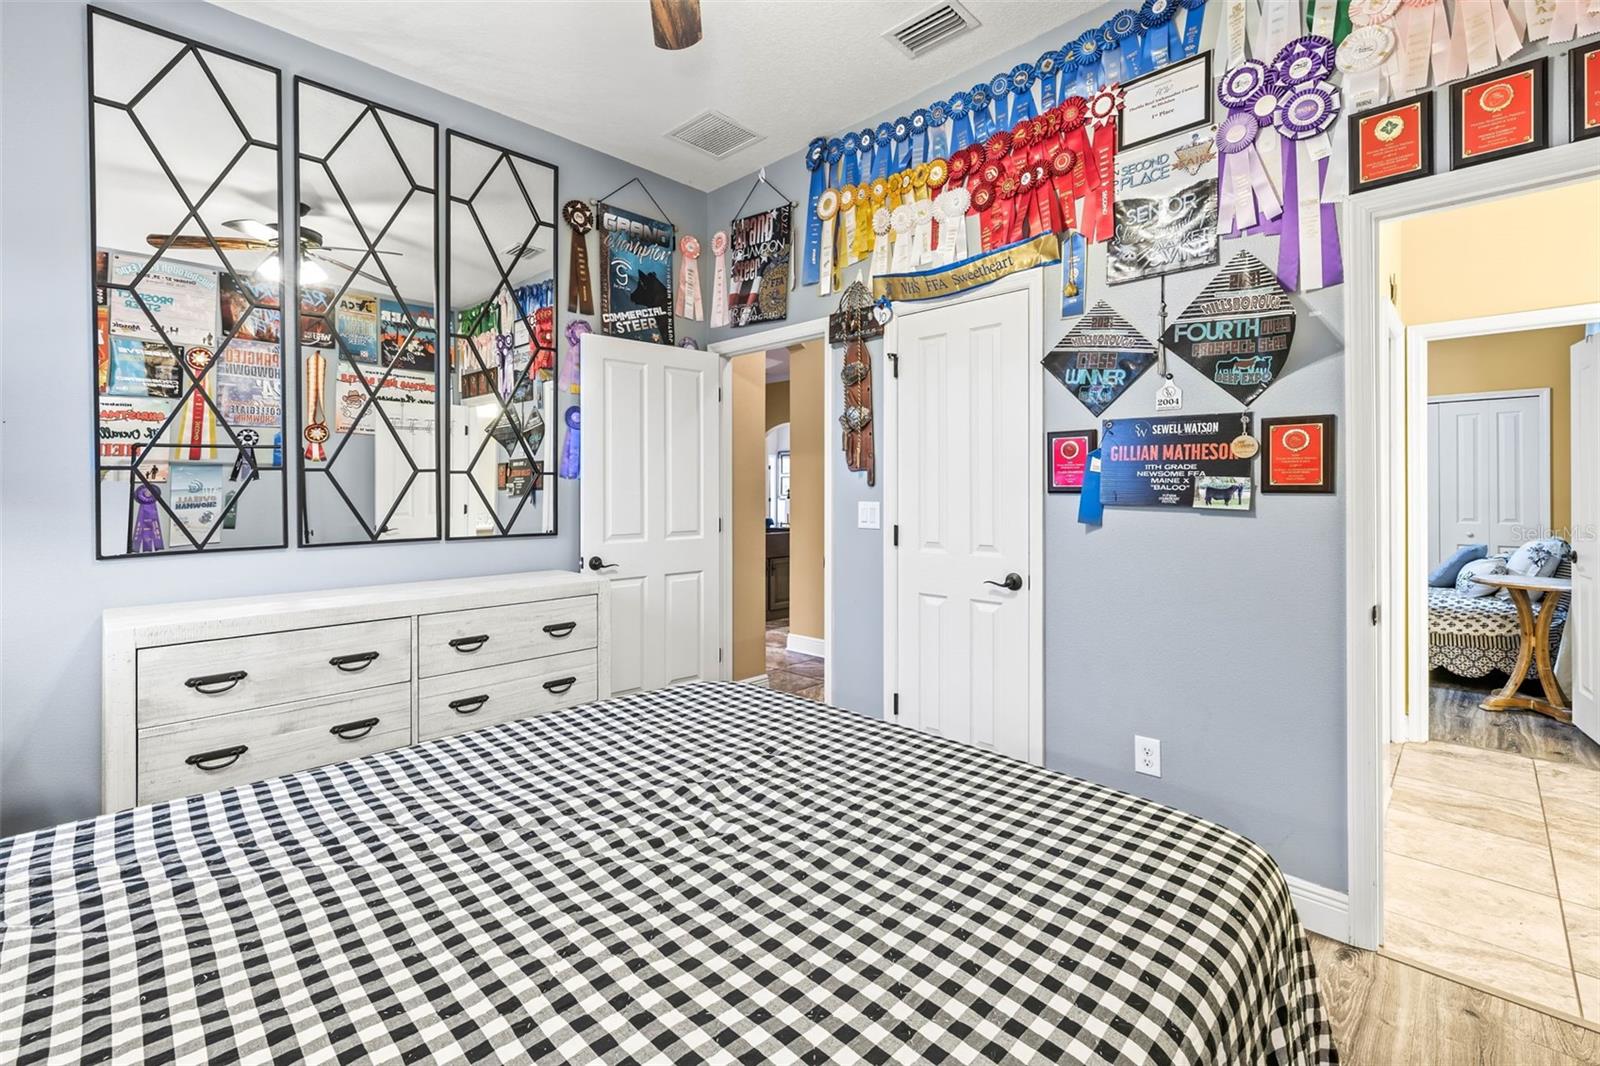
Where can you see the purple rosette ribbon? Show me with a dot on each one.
(572, 372)
(1304, 59)
(1242, 86)
(146, 521)
(572, 443)
(1247, 196)
(1308, 252)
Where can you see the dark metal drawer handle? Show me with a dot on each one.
(560, 629)
(352, 664)
(560, 685)
(354, 730)
(469, 704)
(208, 684)
(466, 644)
(230, 755)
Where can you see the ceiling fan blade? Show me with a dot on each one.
(377, 278)
(227, 244)
(255, 228)
(349, 248)
(676, 23)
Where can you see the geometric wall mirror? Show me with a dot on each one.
(366, 348)
(188, 296)
(503, 419)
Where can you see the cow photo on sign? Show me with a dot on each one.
(1237, 332)
(1100, 357)
(1199, 461)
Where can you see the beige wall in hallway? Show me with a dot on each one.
(749, 472)
(1534, 359)
(807, 439)
(777, 404)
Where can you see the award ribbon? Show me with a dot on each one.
(1194, 20)
(147, 520)
(579, 217)
(572, 368)
(882, 138)
(901, 132)
(1161, 38)
(1124, 29)
(572, 443)
(849, 148)
(719, 254)
(1022, 78)
(689, 300)
(880, 241)
(952, 205)
(1088, 63)
(316, 431)
(198, 359)
(1422, 37)
(999, 89)
(938, 118)
(1360, 58)
(1047, 67)
(919, 136)
(244, 463)
(864, 142)
(901, 221)
(827, 210)
(1308, 252)
(982, 122)
(847, 229)
(815, 153)
(1102, 122)
(960, 121)
(1485, 32)
(861, 243)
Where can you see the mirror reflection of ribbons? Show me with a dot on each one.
(1194, 20)
(1023, 76)
(816, 153)
(960, 121)
(1161, 40)
(146, 533)
(883, 149)
(316, 431)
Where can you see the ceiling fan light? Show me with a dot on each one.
(311, 272)
(271, 269)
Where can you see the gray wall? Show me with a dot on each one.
(54, 590)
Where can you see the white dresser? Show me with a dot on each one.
(199, 696)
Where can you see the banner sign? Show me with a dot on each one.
(418, 334)
(1189, 461)
(1237, 332)
(1100, 357)
(758, 276)
(356, 322)
(971, 273)
(1165, 208)
(636, 293)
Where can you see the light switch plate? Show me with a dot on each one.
(867, 514)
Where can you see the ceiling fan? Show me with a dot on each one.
(263, 236)
(676, 23)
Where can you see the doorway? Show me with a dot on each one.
(777, 453)
(1486, 825)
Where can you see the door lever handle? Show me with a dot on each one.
(597, 563)
(1012, 582)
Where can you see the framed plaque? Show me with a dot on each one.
(1392, 143)
(1299, 454)
(1501, 114)
(1170, 100)
(1584, 77)
(1067, 457)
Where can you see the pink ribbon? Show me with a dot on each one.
(719, 283)
(689, 278)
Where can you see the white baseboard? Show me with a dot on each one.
(1321, 910)
(759, 681)
(808, 645)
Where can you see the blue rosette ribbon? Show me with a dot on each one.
(851, 143)
(1124, 30)
(982, 121)
(919, 136)
(960, 121)
(1022, 78)
(810, 263)
(1161, 39)
(1048, 69)
(1194, 20)
(938, 119)
(882, 149)
(901, 132)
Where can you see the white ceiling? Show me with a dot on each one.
(787, 69)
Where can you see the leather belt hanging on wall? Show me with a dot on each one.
(856, 374)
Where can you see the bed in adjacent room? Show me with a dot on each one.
(708, 873)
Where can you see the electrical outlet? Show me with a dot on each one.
(1147, 756)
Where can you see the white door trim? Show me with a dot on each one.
(815, 329)
(1371, 521)
(1413, 691)
(1031, 282)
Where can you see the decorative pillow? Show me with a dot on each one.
(1445, 576)
(1537, 558)
(1466, 581)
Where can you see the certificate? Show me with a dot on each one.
(1584, 77)
(1067, 458)
(1170, 100)
(1299, 454)
(1392, 143)
(1499, 115)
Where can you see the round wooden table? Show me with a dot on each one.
(1535, 644)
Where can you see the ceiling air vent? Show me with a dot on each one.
(715, 134)
(918, 36)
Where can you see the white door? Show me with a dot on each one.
(1582, 640)
(649, 475)
(962, 485)
(415, 515)
(1489, 472)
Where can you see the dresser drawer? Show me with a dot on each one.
(488, 636)
(179, 682)
(473, 699)
(251, 745)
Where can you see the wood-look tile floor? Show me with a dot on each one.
(1386, 1012)
(790, 671)
(1492, 855)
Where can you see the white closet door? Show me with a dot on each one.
(650, 470)
(1582, 641)
(961, 468)
(1489, 472)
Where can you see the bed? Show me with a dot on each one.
(708, 873)
(1473, 636)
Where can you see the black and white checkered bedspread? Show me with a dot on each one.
(710, 873)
